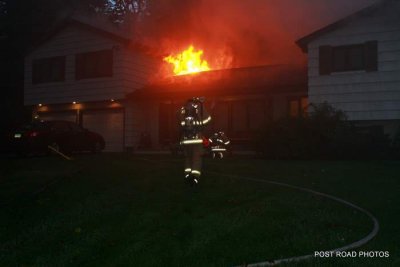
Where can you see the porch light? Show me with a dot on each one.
(40, 105)
(74, 103)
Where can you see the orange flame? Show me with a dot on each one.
(189, 61)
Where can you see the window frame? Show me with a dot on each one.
(370, 58)
(348, 64)
(44, 70)
(248, 129)
(89, 65)
(302, 110)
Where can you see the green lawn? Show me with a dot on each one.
(119, 210)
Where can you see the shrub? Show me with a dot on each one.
(396, 144)
(324, 134)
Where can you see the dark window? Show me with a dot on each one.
(298, 106)
(294, 108)
(256, 114)
(239, 116)
(46, 70)
(348, 58)
(94, 64)
(220, 117)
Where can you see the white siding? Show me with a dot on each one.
(363, 95)
(137, 71)
(129, 69)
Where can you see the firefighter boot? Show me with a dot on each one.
(195, 177)
(188, 179)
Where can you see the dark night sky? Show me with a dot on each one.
(316, 13)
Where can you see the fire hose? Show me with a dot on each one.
(59, 153)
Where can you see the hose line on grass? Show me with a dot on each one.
(353, 245)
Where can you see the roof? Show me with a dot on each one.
(91, 23)
(102, 26)
(229, 82)
(304, 41)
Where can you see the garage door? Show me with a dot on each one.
(108, 123)
(62, 116)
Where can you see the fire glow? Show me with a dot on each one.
(187, 62)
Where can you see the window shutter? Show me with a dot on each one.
(325, 60)
(371, 56)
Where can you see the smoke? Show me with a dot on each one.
(238, 33)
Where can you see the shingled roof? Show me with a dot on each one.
(229, 82)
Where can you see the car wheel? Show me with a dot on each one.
(97, 147)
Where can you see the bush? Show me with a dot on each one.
(396, 144)
(324, 134)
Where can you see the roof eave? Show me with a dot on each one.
(71, 20)
(100, 31)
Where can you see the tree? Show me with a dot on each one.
(3, 8)
(125, 11)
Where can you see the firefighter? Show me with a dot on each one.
(218, 144)
(193, 118)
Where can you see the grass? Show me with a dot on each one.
(119, 210)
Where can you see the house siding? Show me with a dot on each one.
(137, 71)
(363, 95)
(130, 69)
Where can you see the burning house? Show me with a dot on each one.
(245, 98)
(98, 77)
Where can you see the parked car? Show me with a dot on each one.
(64, 136)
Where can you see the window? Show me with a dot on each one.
(348, 58)
(256, 114)
(220, 118)
(239, 118)
(298, 106)
(94, 64)
(47, 70)
(304, 105)
(294, 108)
